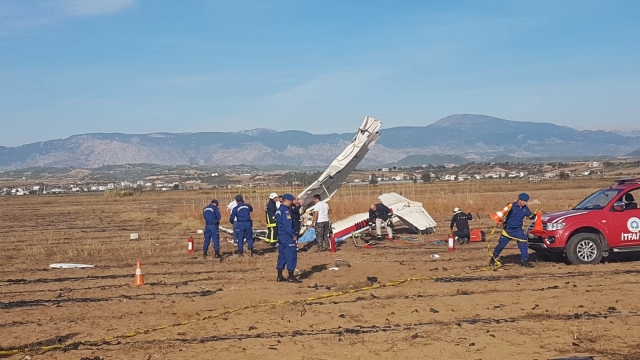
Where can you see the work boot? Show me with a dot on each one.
(526, 263)
(204, 256)
(280, 277)
(250, 252)
(292, 278)
(492, 262)
(240, 254)
(217, 255)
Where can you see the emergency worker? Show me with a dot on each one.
(230, 207)
(287, 246)
(295, 216)
(512, 230)
(241, 219)
(380, 214)
(270, 212)
(211, 215)
(460, 221)
(321, 224)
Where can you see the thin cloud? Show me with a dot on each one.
(322, 98)
(93, 7)
(16, 17)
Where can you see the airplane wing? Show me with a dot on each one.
(340, 169)
(411, 213)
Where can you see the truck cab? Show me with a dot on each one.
(606, 221)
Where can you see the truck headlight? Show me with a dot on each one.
(555, 226)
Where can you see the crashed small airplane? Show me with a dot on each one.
(410, 213)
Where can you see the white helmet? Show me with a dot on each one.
(273, 196)
(456, 210)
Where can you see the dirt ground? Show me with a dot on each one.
(457, 311)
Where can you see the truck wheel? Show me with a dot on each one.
(584, 249)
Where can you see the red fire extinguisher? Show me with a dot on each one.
(452, 243)
(190, 244)
(332, 244)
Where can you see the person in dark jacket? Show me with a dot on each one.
(380, 214)
(295, 216)
(241, 219)
(211, 215)
(460, 221)
(270, 212)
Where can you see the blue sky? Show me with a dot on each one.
(142, 66)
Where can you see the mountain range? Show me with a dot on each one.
(472, 137)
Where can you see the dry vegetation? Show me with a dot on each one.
(551, 311)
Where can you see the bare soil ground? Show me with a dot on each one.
(458, 310)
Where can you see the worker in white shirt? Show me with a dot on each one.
(321, 223)
(230, 208)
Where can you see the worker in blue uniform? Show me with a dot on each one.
(512, 230)
(211, 215)
(241, 220)
(287, 245)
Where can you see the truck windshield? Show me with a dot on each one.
(597, 200)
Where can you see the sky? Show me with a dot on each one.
(143, 66)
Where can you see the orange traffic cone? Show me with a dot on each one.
(497, 217)
(139, 280)
(537, 227)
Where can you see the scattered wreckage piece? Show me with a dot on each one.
(257, 234)
(69, 266)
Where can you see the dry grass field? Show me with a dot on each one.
(457, 310)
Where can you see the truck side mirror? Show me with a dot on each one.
(618, 206)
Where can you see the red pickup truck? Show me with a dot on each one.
(606, 221)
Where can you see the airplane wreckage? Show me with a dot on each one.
(410, 213)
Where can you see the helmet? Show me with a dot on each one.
(273, 196)
(456, 210)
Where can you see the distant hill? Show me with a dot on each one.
(628, 132)
(437, 159)
(634, 153)
(476, 137)
(543, 159)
